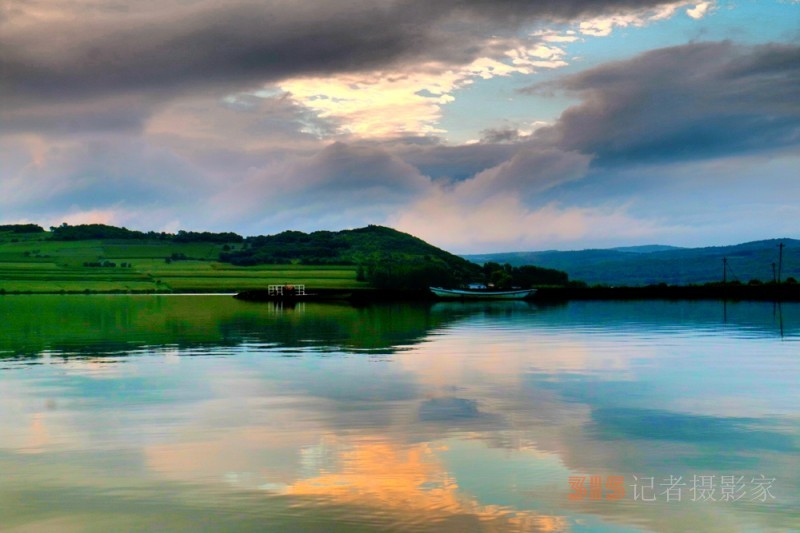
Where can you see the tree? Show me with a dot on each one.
(501, 279)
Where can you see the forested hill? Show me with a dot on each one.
(384, 254)
(654, 264)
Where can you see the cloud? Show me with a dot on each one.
(113, 113)
(529, 172)
(268, 115)
(699, 100)
(396, 101)
(602, 26)
(379, 104)
(500, 135)
(53, 52)
(233, 134)
(503, 223)
(347, 185)
(496, 207)
(95, 177)
(700, 10)
(359, 68)
(447, 163)
(340, 186)
(511, 133)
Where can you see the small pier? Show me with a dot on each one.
(283, 291)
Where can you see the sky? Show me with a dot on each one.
(477, 125)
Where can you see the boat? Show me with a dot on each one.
(461, 294)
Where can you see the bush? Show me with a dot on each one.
(410, 277)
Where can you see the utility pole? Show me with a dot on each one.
(724, 270)
(780, 260)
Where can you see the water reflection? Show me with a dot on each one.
(85, 325)
(64, 325)
(398, 417)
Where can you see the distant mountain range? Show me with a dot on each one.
(652, 264)
(646, 248)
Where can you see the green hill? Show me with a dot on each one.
(101, 258)
(383, 256)
(654, 264)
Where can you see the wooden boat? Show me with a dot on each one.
(460, 294)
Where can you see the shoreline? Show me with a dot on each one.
(768, 292)
(773, 293)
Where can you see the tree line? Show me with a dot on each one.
(526, 276)
(82, 232)
(21, 228)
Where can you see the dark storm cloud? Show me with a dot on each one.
(122, 47)
(207, 46)
(694, 101)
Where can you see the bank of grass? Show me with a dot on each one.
(36, 264)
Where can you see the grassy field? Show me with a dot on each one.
(34, 263)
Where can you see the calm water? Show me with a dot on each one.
(192, 413)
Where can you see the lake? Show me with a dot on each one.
(191, 413)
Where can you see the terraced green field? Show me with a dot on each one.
(32, 263)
